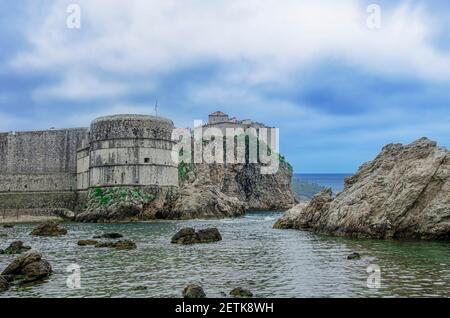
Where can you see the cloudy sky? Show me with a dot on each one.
(337, 87)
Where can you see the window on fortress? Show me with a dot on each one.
(146, 160)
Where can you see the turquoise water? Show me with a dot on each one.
(271, 263)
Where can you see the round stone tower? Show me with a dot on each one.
(131, 150)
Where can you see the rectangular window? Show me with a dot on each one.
(147, 160)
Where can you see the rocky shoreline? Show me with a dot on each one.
(206, 191)
(404, 193)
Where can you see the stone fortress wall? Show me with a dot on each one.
(42, 171)
(127, 151)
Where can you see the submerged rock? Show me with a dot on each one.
(403, 193)
(28, 267)
(354, 256)
(193, 291)
(189, 236)
(87, 242)
(120, 245)
(109, 236)
(15, 247)
(49, 229)
(239, 292)
(8, 226)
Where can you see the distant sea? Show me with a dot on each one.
(335, 181)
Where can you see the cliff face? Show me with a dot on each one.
(245, 182)
(403, 193)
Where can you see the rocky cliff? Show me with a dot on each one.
(245, 182)
(403, 193)
(206, 191)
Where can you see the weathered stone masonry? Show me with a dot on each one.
(38, 170)
(44, 170)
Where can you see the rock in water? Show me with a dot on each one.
(65, 214)
(185, 236)
(28, 267)
(247, 183)
(8, 226)
(193, 291)
(4, 285)
(120, 245)
(49, 229)
(403, 193)
(241, 293)
(188, 236)
(354, 256)
(209, 235)
(15, 247)
(109, 236)
(87, 242)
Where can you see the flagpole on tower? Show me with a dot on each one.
(156, 108)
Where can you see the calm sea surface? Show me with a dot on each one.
(271, 263)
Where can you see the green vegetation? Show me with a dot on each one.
(240, 138)
(184, 169)
(105, 196)
(282, 159)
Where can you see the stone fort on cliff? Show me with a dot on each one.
(53, 169)
(41, 171)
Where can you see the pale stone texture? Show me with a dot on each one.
(403, 193)
(202, 202)
(245, 182)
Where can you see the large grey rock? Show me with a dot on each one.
(288, 219)
(240, 292)
(245, 182)
(403, 193)
(4, 284)
(189, 236)
(119, 245)
(28, 267)
(65, 214)
(203, 202)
